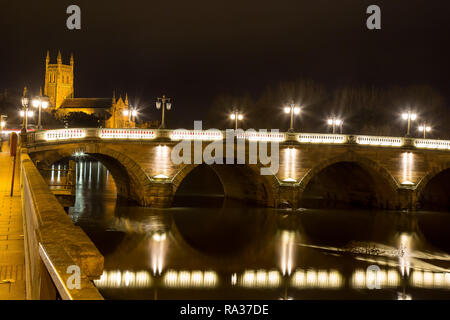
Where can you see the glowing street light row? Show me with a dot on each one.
(41, 102)
(294, 109)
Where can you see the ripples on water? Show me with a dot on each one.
(224, 249)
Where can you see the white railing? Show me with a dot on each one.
(206, 135)
(212, 135)
(64, 134)
(432, 144)
(261, 136)
(379, 141)
(322, 138)
(134, 134)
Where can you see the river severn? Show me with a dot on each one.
(209, 247)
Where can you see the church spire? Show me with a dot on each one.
(59, 59)
(47, 58)
(126, 98)
(114, 97)
(71, 59)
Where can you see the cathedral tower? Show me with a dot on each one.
(58, 80)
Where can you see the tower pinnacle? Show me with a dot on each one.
(59, 59)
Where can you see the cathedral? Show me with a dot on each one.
(59, 88)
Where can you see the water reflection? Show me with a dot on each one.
(382, 279)
(260, 279)
(236, 251)
(157, 248)
(127, 279)
(287, 251)
(190, 279)
(322, 279)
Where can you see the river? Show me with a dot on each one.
(217, 248)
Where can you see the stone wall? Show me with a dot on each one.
(53, 243)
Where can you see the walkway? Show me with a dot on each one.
(12, 258)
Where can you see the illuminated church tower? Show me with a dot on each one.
(58, 80)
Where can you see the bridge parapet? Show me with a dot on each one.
(432, 144)
(58, 255)
(136, 134)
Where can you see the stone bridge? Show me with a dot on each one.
(380, 172)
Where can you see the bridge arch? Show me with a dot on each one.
(239, 181)
(385, 186)
(430, 181)
(131, 180)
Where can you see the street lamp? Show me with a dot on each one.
(24, 113)
(235, 115)
(131, 112)
(165, 103)
(335, 122)
(410, 116)
(292, 109)
(424, 128)
(40, 103)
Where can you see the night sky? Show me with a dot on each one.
(195, 50)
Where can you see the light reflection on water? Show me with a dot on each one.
(244, 252)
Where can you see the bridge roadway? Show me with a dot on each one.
(399, 169)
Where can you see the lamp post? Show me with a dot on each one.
(164, 103)
(40, 103)
(292, 109)
(24, 113)
(410, 116)
(235, 115)
(424, 128)
(335, 122)
(131, 112)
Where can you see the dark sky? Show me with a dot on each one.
(195, 50)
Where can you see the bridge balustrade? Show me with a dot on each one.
(262, 136)
(432, 144)
(380, 141)
(213, 135)
(64, 134)
(322, 138)
(207, 135)
(127, 134)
